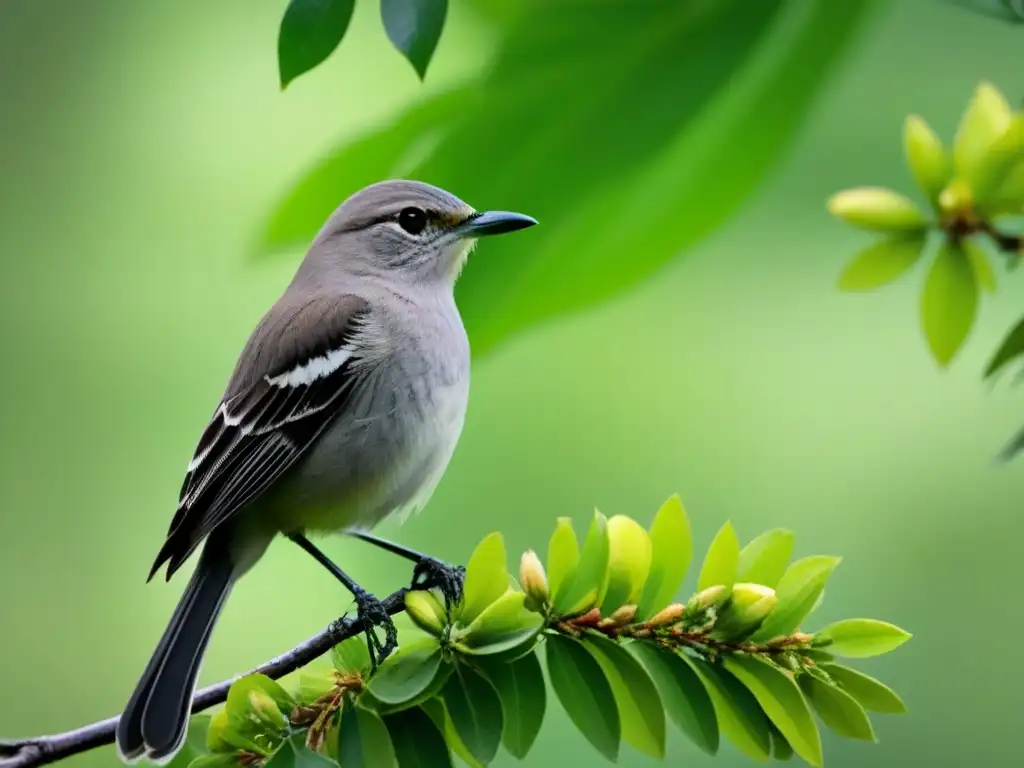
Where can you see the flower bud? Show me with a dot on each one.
(425, 610)
(266, 709)
(927, 159)
(711, 597)
(745, 611)
(533, 580)
(956, 200)
(667, 616)
(620, 617)
(877, 208)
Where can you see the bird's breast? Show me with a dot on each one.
(384, 454)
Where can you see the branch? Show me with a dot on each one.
(41, 750)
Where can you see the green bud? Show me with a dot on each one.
(426, 611)
(216, 733)
(878, 209)
(712, 597)
(926, 157)
(266, 709)
(957, 200)
(745, 610)
(986, 118)
(995, 166)
(629, 561)
(533, 581)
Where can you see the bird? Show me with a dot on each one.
(344, 408)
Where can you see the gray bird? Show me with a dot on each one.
(344, 408)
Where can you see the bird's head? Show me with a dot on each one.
(409, 230)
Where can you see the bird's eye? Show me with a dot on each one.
(412, 220)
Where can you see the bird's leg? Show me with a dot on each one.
(429, 573)
(370, 612)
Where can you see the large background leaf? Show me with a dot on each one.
(553, 82)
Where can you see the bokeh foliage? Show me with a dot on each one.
(974, 194)
(622, 659)
(667, 91)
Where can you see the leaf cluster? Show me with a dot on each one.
(975, 195)
(311, 30)
(599, 627)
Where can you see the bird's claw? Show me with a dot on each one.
(431, 573)
(371, 614)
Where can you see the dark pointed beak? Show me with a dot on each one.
(494, 223)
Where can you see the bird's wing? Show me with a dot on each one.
(297, 372)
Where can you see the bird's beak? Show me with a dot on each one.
(494, 223)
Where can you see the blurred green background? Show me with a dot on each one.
(142, 146)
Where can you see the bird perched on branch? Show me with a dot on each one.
(344, 408)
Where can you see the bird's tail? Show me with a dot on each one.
(155, 721)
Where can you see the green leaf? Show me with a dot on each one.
(782, 750)
(860, 638)
(998, 163)
(417, 741)
(629, 562)
(563, 553)
(671, 553)
(314, 683)
(739, 716)
(310, 31)
(883, 262)
(722, 560)
(294, 753)
(1009, 351)
(406, 674)
(764, 560)
(475, 711)
(438, 713)
(984, 276)
(351, 656)
(426, 611)
(504, 624)
(520, 686)
(363, 740)
(837, 709)
(878, 209)
(195, 743)
(555, 96)
(797, 592)
(238, 705)
(931, 165)
(221, 760)
(414, 27)
(581, 586)
(780, 698)
(585, 693)
(486, 578)
(684, 696)
(987, 116)
(640, 710)
(1010, 196)
(871, 694)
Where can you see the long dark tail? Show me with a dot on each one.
(155, 721)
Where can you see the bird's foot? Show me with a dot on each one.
(431, 573)
(371, 615)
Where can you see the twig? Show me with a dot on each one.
(41, 750)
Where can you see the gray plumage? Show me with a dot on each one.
(344, 407)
